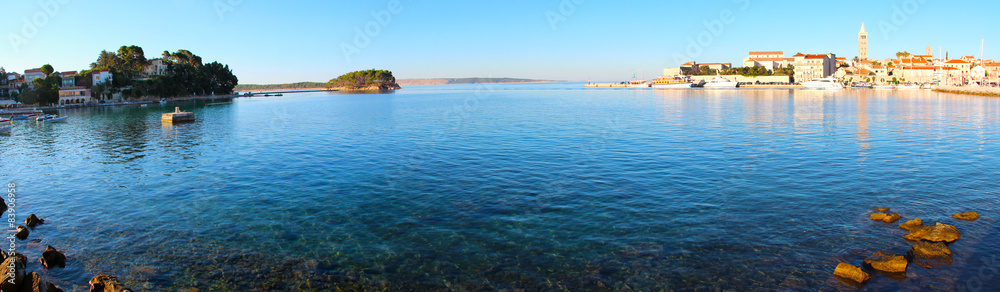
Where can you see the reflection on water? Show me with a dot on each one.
(536, 187)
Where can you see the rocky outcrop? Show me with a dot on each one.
(22, 232)
(107, 283)
(891, 218)
(33, 283)
(939, 232)
(880, 209)
(52, 258)
(878, 216)
(887, 262)
(19, 262)
(909, 225)
(49, 287)
(970, 216)
(850, 272)
(33, 221)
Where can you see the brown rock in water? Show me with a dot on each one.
(908, 225)
(880, 209)
(891, 218)
(52, 258)
(970, 216)
(107, 283)
(20, 262)
(887, 262)
(930, 250)
(878, 216)
(33, 221)
(33, 283)
(22, 232)
(49, 287)
(3, 206)
(939, 232)
(850, 272)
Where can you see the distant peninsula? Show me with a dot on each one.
(400, 82)
(473, 80)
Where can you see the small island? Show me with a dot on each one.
(364, 80)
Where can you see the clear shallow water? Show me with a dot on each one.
(525, 186)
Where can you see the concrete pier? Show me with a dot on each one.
(177, 116)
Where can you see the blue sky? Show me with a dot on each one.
(289, 41)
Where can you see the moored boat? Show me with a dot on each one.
(677, 82)
(908, 86)
(56, 120)
(721, 83)
(885, 86)
(633, 84)
(828, 83)
(43, 118)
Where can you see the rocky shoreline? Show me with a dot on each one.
(984, 91)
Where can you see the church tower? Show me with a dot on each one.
(929, 51)
(863, 43)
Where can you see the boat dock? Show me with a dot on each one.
(177, 116)
(605, 85)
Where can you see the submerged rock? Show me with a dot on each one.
(850, 272)
(939, 232)
(970, 216)
(22, 232)
(891, 218)
(107, 283)
(19, 262)
(887, 262)
(33, 221)
(930, 250)
(3, 206)
(33, 283)
(878, 216)
(880, 209)
(908, 225)
(52, 258)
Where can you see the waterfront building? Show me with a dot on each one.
(716, 66)
(992, 68)
(102, 76)
(74, 95)
(863, 43)
(963, 65)
(68, 80)
(809, 67)
(915, 74)
(155, 67)
(767, 59)
(31, 75)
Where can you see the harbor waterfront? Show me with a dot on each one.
(511, 186)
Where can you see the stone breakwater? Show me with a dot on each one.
(987, 91)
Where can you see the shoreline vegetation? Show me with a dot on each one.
(364, 81)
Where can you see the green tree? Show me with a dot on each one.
(47, 89)
(382, 79)
(47, 69)
(132, 61)
(105, 61)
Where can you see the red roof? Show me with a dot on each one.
(68, 73)
(948, 68)
(767, 53)
(799, 55)
(919, 68)
(957, 62)
(33, 70)
(815, 56)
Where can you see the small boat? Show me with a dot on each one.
(638, 84)
(279, 94)
(908, 86)
(720, 83)
(885, 86)
(5, 128)
(860, 85)
(828, 83)
(44, 118)
(163, 101)
(56, 120)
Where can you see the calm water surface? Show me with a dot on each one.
(530, 186)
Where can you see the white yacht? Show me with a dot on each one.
(828, 83)
(719, 82)
(885, 86)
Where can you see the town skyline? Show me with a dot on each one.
(558, 40)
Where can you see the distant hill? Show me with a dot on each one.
(474, 80)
